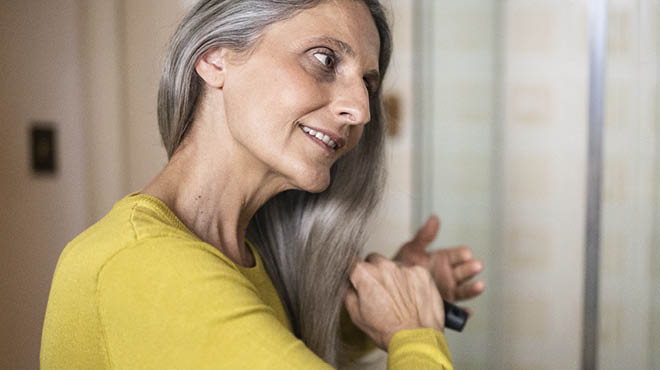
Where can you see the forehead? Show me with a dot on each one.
(348, 21)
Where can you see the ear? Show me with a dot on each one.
(211, 67)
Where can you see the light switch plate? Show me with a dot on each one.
(44, 148)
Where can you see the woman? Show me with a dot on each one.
(239, 253)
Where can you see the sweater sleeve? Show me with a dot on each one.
(409, 349)
(182, 307)
(420, 349)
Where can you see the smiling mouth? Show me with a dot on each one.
(325, 139)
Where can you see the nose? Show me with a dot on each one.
(351, 103)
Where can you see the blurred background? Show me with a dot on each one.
(493, 102)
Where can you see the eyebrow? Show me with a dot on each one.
(345, 48)
(338, 44)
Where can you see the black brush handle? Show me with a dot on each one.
(455, 317)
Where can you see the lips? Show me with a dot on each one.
(331, 140)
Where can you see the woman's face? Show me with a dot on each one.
(301, 99)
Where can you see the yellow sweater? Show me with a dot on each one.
(138, 290)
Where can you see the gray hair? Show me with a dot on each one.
(308, 242)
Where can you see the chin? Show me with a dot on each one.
(313, 181)
(318, 188)
(318, 185)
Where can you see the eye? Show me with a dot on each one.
(326, 59)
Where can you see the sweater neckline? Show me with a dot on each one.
(166, 212)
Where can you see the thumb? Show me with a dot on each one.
(351, 301)
(427, 233)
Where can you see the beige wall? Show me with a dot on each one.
(103, 99)
(629, 293)
(40, 65)
(124, 42)
(544, 136)
(147, 25)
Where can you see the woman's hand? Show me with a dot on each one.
(452, 269)
(385, 298)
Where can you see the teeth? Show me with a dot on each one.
(321, 136)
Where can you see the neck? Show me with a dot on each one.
(216, 198)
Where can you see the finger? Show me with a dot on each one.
(427, 233)
(469, 290)
(364, 278)
(376, 258)
(466, 271)
(352, 304)
(458, 255)
(358, 277)
(382, 269)
(351, 301)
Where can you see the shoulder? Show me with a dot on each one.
(138, 229)
(180, 280)
(159, 249)
(168, 258)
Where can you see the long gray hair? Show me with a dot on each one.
(308, 242)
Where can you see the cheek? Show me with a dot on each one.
(298, 92)
(261, 99)
(283, 97)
